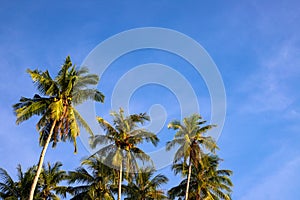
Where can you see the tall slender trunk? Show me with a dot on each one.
(41, 161)
(201, 167)
(120, 182)
(188, 180)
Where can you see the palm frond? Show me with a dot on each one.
(175, 125)
(26, 108)
(82, 122)
(80, 175)
(176, 141)
(44, 83)
(80, 96)
(139, 118)
(100, 139)
(106, 126)
(84, 80)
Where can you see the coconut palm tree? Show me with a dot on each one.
(207, 181)
(122, 139)
(9, 189)
(191, 140)
(145, 187)
(59, 119)
(94, 181)
(49, 180)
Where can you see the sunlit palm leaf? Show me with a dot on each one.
(124, 135)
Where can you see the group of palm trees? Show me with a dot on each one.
(120, 166)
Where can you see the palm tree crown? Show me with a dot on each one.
(145, 187)
(94, 181)
(207, 181)
(122, 138)
(9, 189)
(59, 119)
(191, 140)
(47, 188)
(49, 180)
(68, 89)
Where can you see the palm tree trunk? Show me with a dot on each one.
(188, 180)
(200, 157)
(41, 161)
(120, 182)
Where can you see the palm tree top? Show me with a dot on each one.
(207, 181)
(94, 178)
(192, 126)
(56, 99)
(125, 132)
(122, 139)
(190, 136)
(145, 185)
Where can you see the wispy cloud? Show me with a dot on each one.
(271, 86)
(274, 177)
(282, 182)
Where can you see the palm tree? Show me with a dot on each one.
(59, 119)
(122, 138)
(9, 189)
(146, 187)
(49, 179)
(7, 185)
(94, 182)
(207, 181)
(190, 137)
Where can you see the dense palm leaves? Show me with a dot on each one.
(121, 157)
(47, 187)
(59, 119)
(191, 140)
(49, 180)
(122, 138)
(145, 187)
(9, 189)
(207, 181)
(94, 180)
(69, 88)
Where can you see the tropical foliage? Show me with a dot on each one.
(120, 165)
(59, 119)
(94, 180)
(145, 186)
(191, 140)
(207, 181)
(10, 189)
(122, 138)
(48, 187)
(49, 180)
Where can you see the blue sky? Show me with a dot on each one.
(255, 45)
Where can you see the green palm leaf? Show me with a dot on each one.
(124, 136)
(59, 120)
(190, 138)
